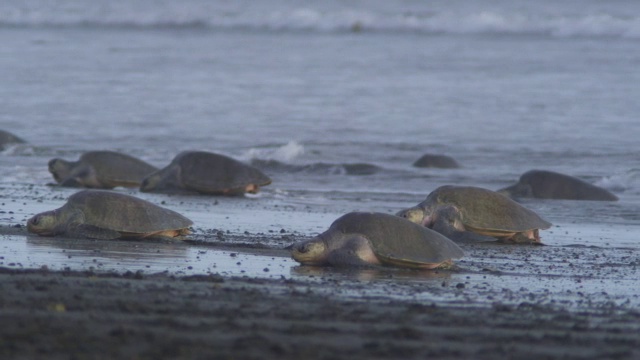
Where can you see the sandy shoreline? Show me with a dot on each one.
(502, 301)
(232, 291)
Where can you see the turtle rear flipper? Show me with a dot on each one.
(413, 264)
(161, 238)
(92, 232)
(529, 237)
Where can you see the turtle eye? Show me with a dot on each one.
(35, 220)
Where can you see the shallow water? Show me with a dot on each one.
(582, 264)
(121, 256)
(571, 276)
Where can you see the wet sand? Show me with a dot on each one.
(528, 302)
(231, 291)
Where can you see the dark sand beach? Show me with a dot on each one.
(132, 316)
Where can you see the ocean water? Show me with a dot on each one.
(334, 100)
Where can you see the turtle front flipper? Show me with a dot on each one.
(356, 252)
(346, 257)
(76, 178)
(447, 221)
(86, 176)
(71, 182)
(91, 232)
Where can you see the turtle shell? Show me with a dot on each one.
(124, 213)
(7, 138)
(436, 161)
(117, 168)
(485, 210)
(397, 241)
(212, 173)
(545, 184)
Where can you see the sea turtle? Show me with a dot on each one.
(463, 212)
(544, 184)
(100, 170)
(101, 214)
(7, 138)
(436, 161)
(205, 173)
(361, 238)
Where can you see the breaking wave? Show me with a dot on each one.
(422, 19)
(627, 181)
(317, 168)
(285, 153)
(282, 159)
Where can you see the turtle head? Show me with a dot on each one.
(162, 180)
(415, 214)
(151, 182)
(518, 190)
(60, 169)
(443, 197)
(310, 252)
(43, 224)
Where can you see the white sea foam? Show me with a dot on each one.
(629, 180)
(560, 21)
(285, 153)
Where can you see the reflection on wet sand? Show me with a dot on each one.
(371, 273)
(131, 255)
(564, 275)
(112, 255)
(112, 249)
